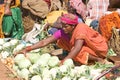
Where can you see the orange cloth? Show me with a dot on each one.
(64, 43)
(1, 17)
(94, 43)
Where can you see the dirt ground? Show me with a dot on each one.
(5, 73)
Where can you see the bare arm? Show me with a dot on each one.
(7, 8)
(44, 42)
(40, 44)
(77, 47)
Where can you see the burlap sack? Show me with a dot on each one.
(36, 7)
(56, 5)
(114, 42)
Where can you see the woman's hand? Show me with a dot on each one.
(24, 51)
(61, 62)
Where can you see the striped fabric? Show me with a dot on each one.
(79, 6)
(97, 8)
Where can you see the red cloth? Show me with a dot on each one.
(66, 18)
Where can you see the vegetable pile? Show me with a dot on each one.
(43, 66)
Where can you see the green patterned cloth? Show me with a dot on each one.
(12, 25)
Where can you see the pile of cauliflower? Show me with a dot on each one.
(43, 66)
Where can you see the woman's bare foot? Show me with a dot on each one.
(100, 60)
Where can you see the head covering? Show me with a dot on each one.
(69, 19)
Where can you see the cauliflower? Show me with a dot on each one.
(18, 48)
(14, 42)
(5, 54)
(46, 74)
(36, 77)
(1, 48)
(6, 45)
(33, 57)
(32, 68)
(63, 68)
(66, 78)
(43, 60)
(53, 72)
(68, 62)
(53, 61)
(18, 58)
(73, 72)
(24, 73)
(24, 63)
(2, 41)
(83, 78)
(118, 78)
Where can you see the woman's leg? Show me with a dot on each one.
(96, 59)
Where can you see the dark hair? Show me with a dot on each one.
(70, 9)
(13, 2)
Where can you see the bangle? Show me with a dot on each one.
(28, 48)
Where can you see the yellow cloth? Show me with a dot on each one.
(17, 3)
(52, 16)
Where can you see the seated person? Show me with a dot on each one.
(82, 42)
(11, 19)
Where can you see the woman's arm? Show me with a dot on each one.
(44, 42)
(76, 49)
(7, 8)
(40, 44)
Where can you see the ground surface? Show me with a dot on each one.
(5, 73)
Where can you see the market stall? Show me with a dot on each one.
(38, 65)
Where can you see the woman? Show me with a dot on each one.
(82, 42)
(11, 19)
(80, 7)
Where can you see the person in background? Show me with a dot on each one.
(91, 11)
(56, 24)
(80, 7)
(11, 19)
(97, 8)
(82, 42)
(1, 1)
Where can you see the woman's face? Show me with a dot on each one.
(67, 28)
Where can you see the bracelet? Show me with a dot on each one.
(28, 48)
